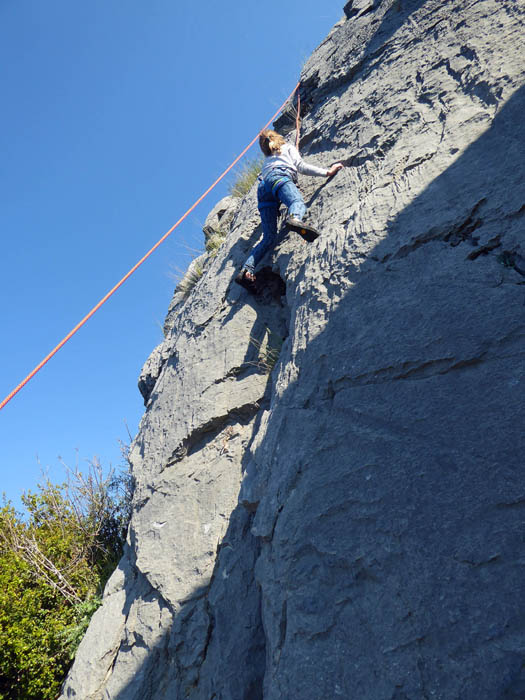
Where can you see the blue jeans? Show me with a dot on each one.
(276, 189)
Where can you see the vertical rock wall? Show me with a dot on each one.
(351, 523)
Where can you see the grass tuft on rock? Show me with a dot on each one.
(190, 279)
(269, 350)
(246, 177)
(214, 242)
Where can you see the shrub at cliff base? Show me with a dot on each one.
(54, 562)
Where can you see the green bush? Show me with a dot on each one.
(54, 562)
(33, 657)
(74, 633)
(246, 176)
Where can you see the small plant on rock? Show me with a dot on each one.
(269, 350)
(214, 242)
(246, 177)
(190, 279)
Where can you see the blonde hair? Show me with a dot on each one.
(270, 142)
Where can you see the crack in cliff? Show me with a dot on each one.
(463, 231)
(197, 329)
(511, 258)
(518, 503)
(480, 88)
(479, 564)
(405, 645)
(209, 633)
(439, 367)
(210, 430)
(486, 248)
(425, 370)
(234, 373)
(517, 214)
(357, 160)
(283, 625)
(453, 235)
(419, 161)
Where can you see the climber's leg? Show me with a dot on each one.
(268, 209)
(290, 196)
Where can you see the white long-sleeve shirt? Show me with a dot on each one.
(290, 158)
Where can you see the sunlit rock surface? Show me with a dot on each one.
(350, 523)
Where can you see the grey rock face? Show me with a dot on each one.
(221, 216)
(350, 524)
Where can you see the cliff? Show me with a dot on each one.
(329, 493)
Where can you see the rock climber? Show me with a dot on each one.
(277, 186)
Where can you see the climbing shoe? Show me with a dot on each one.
(249, 283)
(309, 233)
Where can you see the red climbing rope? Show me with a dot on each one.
(298, 119)
(143, 259)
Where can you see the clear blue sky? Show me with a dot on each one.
(115, 116)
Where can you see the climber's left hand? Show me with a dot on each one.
(334, 169)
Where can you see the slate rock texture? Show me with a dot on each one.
(349, 523)
(220, 218)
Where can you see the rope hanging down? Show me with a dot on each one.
(142, 260)
(298, 119)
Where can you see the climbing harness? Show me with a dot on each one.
(278, 183)
(142, 260)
